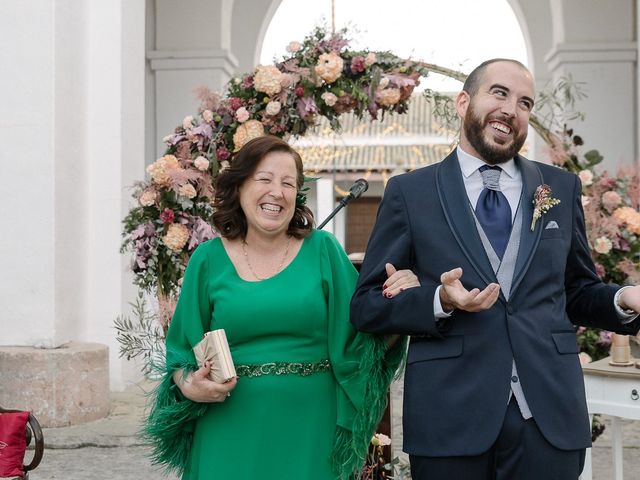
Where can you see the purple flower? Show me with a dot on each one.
(306, 106)
(201, 231)
(605, 338)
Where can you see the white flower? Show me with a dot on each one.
(167, 138)
(584, 358)
(294, 47)
(242, 115)
(329, 98)
(602, 245)
(224, 165)
(383, 440)
(586, 177)
(329, 67)
(585, 200)
(273, 108)
(201, 163)
(187, 123)
(207, 116)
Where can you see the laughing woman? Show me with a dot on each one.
(310, 389)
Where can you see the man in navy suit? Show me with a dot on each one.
(489, 285)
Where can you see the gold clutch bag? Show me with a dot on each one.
(214, 348)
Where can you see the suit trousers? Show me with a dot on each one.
(520, 453)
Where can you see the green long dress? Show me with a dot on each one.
(289, 426)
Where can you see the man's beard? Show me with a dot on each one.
(492, 154)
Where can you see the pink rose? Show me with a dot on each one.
(600, 270)
(235, 103)
(242, 115)
(610, 200)
(358, 64)
(294, 47)
(329, 98)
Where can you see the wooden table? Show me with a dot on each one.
(613, 391)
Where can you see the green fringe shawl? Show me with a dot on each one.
(169, 423)
(379, 366)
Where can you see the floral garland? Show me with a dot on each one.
(321, 76)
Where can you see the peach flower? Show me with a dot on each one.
(148, 197)
(388, 96)
(159, 170)
(267, 79)
(207, 116)
(370, 59)
(187, 122)
(329, 98)
(187, 190)
(247, 131)
(176, 237)
(602, 245)
(201, 163)
(329, 67)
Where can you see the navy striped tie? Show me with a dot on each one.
(493, 210)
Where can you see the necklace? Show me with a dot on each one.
(284, 257)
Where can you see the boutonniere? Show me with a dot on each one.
(542, 203)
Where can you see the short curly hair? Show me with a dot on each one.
(228, 216)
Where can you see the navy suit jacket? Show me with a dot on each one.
(457, 378)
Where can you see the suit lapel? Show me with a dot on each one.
(531, 179)
(455, 204)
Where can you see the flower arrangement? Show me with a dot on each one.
(542, 203)
(321, 76)
(376, 466)
(612, 216)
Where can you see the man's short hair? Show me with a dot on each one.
(472, 83)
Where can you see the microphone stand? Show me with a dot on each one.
(356, 190)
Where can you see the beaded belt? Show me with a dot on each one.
(283, 368)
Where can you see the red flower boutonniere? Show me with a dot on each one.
(542, 203)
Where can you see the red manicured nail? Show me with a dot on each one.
(388, 294)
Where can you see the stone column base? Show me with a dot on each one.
(61, 386)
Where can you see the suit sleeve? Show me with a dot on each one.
(590, 302)
(410, 312)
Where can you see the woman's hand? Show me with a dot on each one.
(398, 280)
(197, 386)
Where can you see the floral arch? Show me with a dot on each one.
(323, 77)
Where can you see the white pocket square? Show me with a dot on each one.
(551, 224)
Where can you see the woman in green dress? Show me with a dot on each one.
(310, 389)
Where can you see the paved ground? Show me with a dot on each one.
(109, 449)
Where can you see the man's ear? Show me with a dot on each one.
(462, 103)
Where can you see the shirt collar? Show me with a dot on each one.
(469, 164)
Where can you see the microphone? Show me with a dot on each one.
(358, 188)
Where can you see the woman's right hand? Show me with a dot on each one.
(197, 386)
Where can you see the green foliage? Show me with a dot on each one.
(139, 335)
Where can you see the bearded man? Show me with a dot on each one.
(495, 249)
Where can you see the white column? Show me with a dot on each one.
(28, 157)
(595, 44)
(325, 202)
(116, 160)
